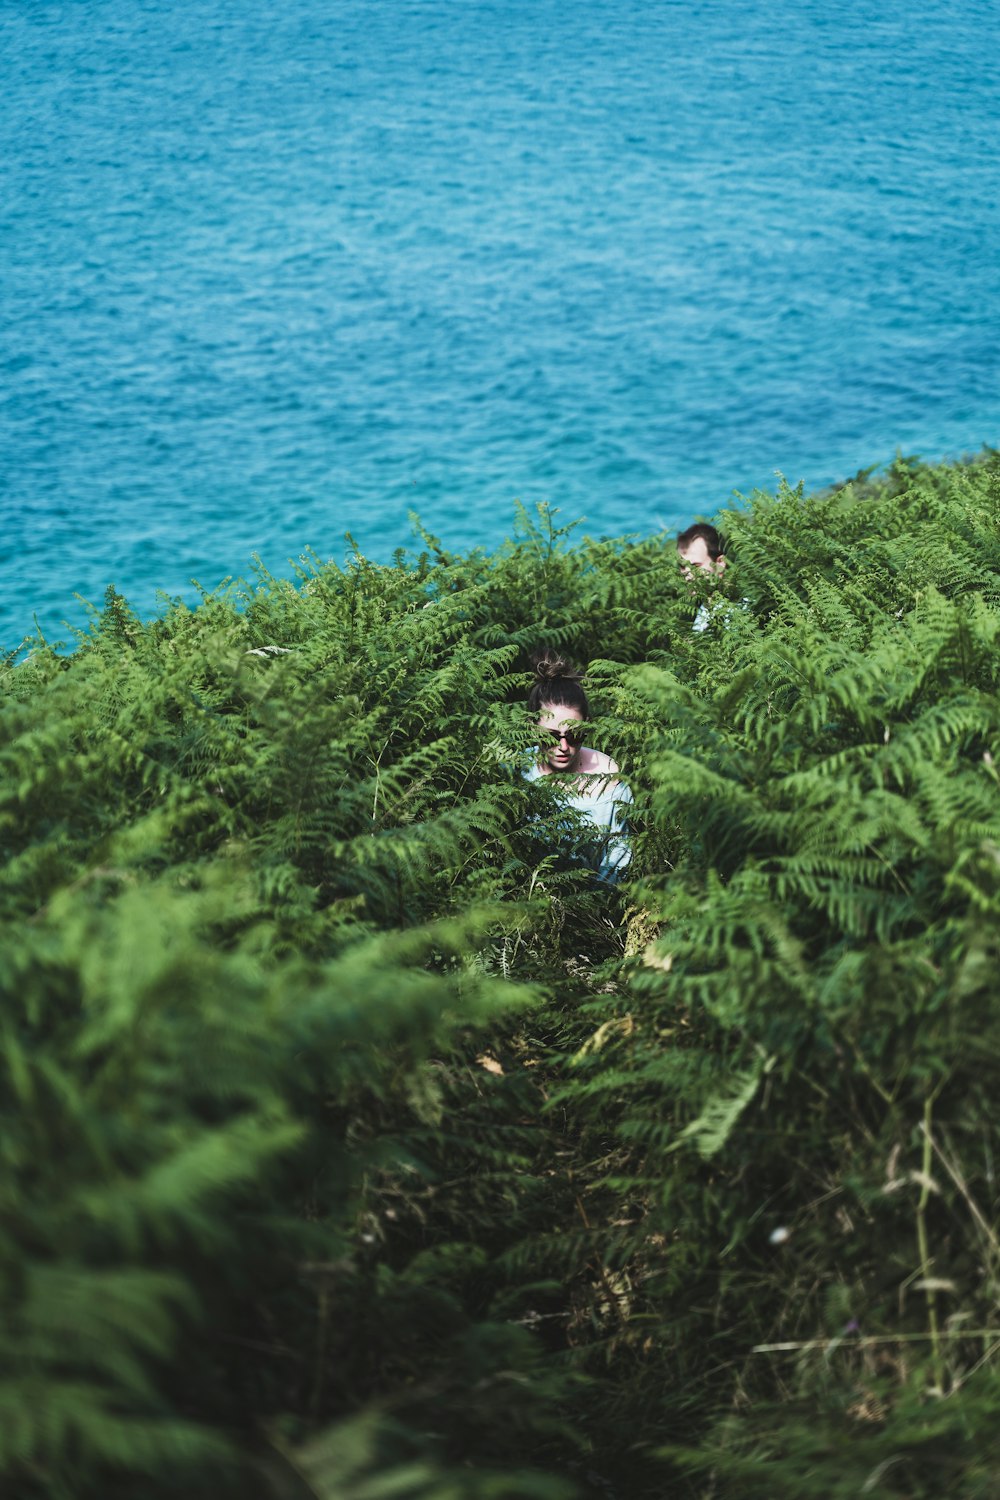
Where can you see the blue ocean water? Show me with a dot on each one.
(273, 272)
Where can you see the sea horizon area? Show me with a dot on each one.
(87, 612)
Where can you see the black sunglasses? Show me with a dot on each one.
(573, 737)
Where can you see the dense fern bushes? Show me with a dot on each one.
(357, 1143)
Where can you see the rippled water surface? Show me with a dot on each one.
(272, 272)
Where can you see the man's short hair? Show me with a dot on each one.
(713, 541)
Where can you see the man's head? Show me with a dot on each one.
(700, 546)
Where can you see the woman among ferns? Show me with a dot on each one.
(592, 789)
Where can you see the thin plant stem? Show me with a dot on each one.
(930, 1291)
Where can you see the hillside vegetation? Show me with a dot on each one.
(358, 1144)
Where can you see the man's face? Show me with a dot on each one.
(558, 736)
(696, 555)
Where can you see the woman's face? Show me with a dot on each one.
(558, 737)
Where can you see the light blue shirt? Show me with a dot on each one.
(605, 804)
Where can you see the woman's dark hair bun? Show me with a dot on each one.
(549, 666)
(557, 682)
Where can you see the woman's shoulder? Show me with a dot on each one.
(595, 762)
